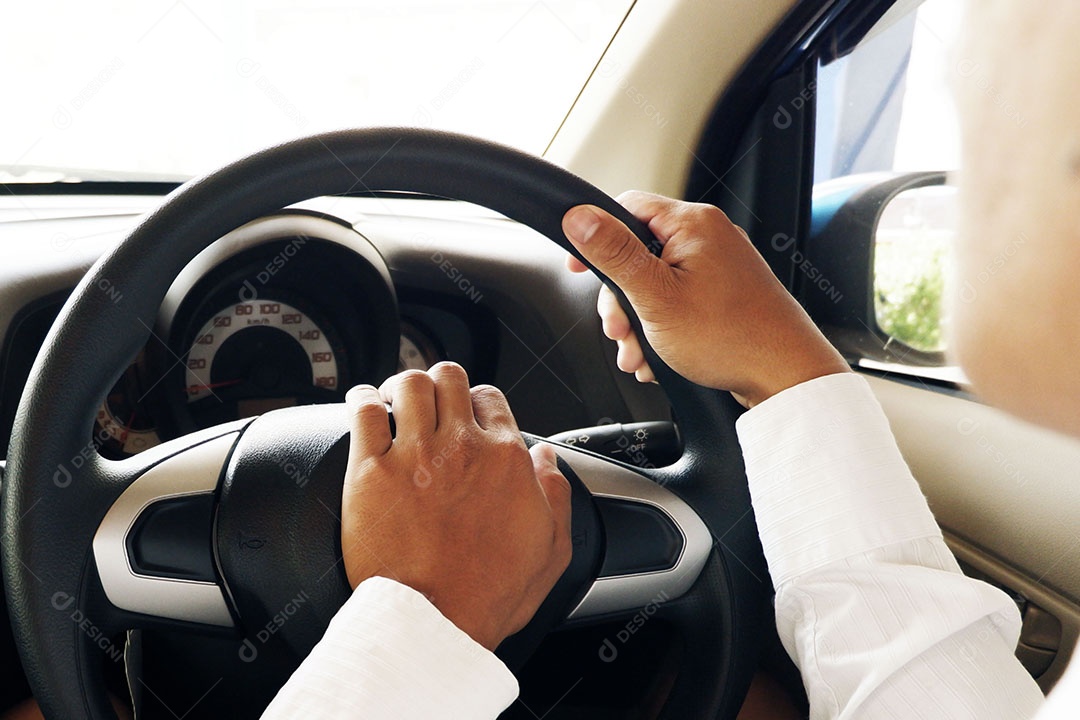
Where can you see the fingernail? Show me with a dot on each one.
(352, 398)
(580, 223)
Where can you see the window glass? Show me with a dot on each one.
(887, 105)
(110, 89)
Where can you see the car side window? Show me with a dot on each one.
(885, 118)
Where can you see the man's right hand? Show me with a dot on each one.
(710, 306)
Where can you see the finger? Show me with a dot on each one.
(616, 252)
(559, 496)
(630, 358)
(644, 374)
(664, 216)
(649, 207)
(616, 323)
(575, 265)
(412, 396)
(453, 402)
(491, 409)
(370, 423)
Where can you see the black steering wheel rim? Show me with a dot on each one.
(55, 493)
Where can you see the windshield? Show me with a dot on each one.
(174, 88)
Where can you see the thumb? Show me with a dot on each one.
(615, 251)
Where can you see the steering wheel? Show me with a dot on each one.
(85, 537)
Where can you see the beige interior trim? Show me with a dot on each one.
(1067, 612)
(642, 112)
(1007, 486)
(1005, 492)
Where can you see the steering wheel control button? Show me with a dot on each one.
(171, 539)
(136, 572)
(640, 538)
(642, 444)
(608, 481)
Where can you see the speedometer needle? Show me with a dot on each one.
(127, 428)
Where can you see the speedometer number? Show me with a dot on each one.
(219, 328)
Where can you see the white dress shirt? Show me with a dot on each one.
(389, 654)
(870, 603)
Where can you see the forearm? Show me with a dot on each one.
(870, 602)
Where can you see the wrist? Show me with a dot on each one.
(478, 624)
(795, 376)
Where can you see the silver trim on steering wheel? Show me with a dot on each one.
(194, 471)
(198, 469)
(604, 478)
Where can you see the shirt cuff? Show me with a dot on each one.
(389, 653)
(826, 478)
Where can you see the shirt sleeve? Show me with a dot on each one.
(390, 654)
(870, 603)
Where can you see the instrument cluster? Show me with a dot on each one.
(290, 310)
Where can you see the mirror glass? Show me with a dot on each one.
(912, 244)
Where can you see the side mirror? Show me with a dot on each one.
(872, 271)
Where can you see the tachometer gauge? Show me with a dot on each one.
(417, 350)
(257, 356)
(123, 424)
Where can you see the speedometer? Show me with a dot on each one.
(259, 355)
